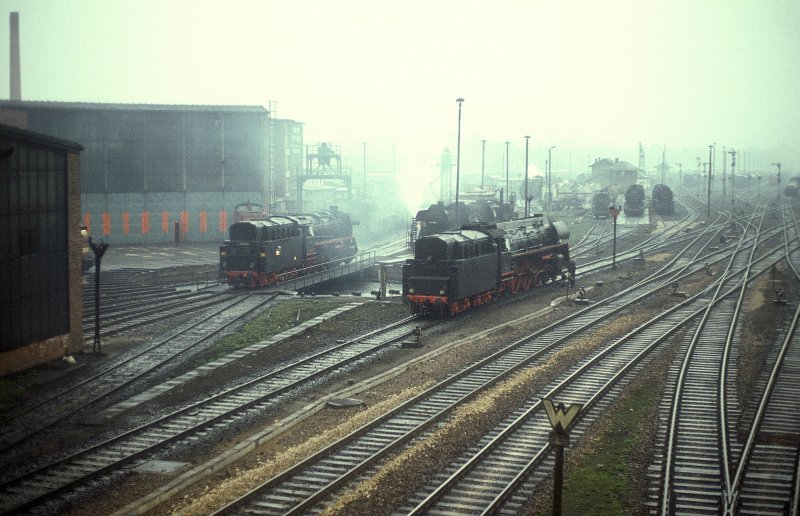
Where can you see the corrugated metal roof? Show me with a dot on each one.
(7, 131)
(46, 104)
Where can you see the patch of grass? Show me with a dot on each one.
(600, 484)
(278, 318)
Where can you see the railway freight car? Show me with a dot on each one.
(457, 270)
(662, 201)
(258, 252)
(634, 201)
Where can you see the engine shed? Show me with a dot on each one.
(155, 173)
(40, 249)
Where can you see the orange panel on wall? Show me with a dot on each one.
(223, 221)
(184, 222)
(203, 221)
(145, 222)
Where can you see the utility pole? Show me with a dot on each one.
(724, 163)
(527, 201)
(483, 161)
(707, 165)
(733, 176)
(458, 150)
(710, 162)
(508, 191)
(549, 178)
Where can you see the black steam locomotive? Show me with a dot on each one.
(634, 201)
(457, 270)
(258, 251)
(662, 201)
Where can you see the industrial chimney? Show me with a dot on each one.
(15, 87)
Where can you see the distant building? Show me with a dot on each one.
(614, 172)
(40, 257)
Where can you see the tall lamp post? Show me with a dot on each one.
(99, 251)
(508, 191)
(483, 160)
(527, 200)
(365, 167)
(706, 164)
(710, 165)
(733, 176)
(614, 212)
(458, 149)
(549, 178)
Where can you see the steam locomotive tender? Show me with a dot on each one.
(258, 252)
(454, 271)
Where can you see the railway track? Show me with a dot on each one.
(128, 367)
(766, 478)
(42, 486)
(312, 481)
(519, 448)
(702, 465)
(134, 315)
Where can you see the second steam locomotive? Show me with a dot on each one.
(260, 252)
(457, 270)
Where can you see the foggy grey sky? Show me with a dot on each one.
(581, 75)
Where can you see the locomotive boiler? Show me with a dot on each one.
(258, 252)
(454, 271)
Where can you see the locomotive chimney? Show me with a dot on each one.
(15, 86)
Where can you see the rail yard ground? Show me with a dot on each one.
(606, 470)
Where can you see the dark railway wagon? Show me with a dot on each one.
(454, 271)
(259, 252)
(662, 200)
(634, 201)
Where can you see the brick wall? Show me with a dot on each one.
(32, 355)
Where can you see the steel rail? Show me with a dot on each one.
(36, 487)
(783, 377)
(126, 369)
(404, 427)
(471, 505)
(666, 501)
